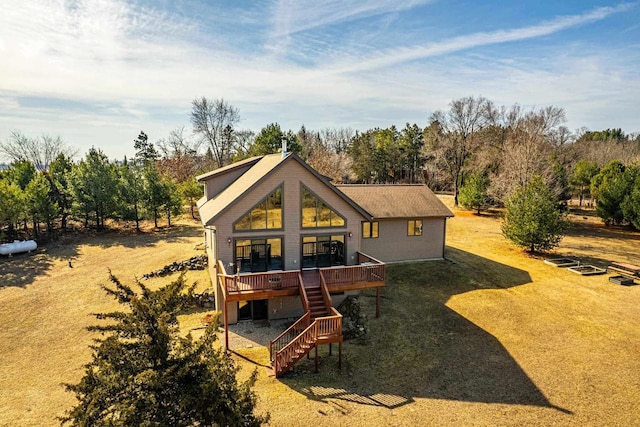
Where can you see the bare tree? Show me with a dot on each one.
(213, 122)
(453, 136)
(531, 147)
(38, 151)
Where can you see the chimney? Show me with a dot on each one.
(284, 147)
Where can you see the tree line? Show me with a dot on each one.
(479, 151)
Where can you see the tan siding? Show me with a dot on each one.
(393, 244)
(291, 174)
(216, 184)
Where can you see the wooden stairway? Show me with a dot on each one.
(320, 324)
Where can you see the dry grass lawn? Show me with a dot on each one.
(490, 336)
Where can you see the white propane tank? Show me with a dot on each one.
(17, 246)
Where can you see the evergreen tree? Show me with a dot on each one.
(131, 192)
(94, 184)
(11, 206)
(269, 141)
(474, 192)
(631, 203)
(59, 174)
(39, 204)
(580, 179)
(532, 219)
(610, 186)
(144, 373)
(190, 191)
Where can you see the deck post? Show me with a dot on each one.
(316, 346)
(339, 354)
(378, 302)
(226, 325)
(329, 349)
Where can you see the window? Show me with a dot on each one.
(414, 227)
(258, 255)
(370, 230)
(322, 251)
(316, 213)
(266, 215)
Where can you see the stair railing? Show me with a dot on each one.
(289, 335)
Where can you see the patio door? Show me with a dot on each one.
(258, 255)
(323, 251)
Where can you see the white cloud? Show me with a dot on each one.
(400, 55)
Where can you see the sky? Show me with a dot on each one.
(97, 72)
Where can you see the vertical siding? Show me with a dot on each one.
(215, 185)
(291, 175)
(393, 244)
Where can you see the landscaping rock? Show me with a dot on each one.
(354, 322)
(198, 262)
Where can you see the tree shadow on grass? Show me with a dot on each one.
(22, 269)
(420, 348)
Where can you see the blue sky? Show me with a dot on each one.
(96, 72)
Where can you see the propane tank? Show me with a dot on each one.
(17, 246)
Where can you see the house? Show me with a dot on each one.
(282, 242)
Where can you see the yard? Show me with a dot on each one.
(490, 336)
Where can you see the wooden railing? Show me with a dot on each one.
(325, 292)
(287, 336)
(353, 274)
(364, 258)
(260, 281)
(330, 326)
(303, 294)
(324, 328)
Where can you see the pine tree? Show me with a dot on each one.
(143, 373)
(473, 194)
(532, 219)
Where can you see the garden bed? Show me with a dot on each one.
(562, 262)
(587, 270)
(622, 280)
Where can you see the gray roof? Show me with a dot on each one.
(397, 201)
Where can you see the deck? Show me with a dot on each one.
(370, 273)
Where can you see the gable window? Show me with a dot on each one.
(316, 213)
(370, 230)
(266, 215)
(414, 227)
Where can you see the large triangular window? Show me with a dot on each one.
(316, 213)
(266, 215)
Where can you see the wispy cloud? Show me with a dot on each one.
(455, 44)
(295, 16)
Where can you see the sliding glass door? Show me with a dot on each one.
(323, 251)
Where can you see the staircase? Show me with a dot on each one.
(320, 324)
(317, 304)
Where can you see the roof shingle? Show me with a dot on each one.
(396, 201)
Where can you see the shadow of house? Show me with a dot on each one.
(420, 348)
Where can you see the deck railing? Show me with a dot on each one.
(353, 274)
(260, 281)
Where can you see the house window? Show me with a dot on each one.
(316, 213)
(258, 255)
(266, 215)
(370, 230)
(414, 227)
(322, 251)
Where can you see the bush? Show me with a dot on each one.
(532, 219)
(144, 373)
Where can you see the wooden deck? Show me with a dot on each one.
(370, 273)
(321, 323)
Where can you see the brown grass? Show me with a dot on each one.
(491, 336)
